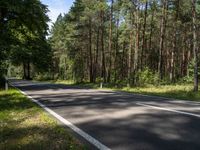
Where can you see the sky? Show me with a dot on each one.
(56, 7)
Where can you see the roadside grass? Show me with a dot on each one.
(26, 126)
(69, 82)
(176, 91)
(183, 92)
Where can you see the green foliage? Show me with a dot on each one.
(147, 76)
(23, 27)
(186, 79)
(189, 78)
(14, 71)
(43, 76)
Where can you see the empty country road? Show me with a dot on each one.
(119, 120)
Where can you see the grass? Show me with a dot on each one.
(25, 126)
(183, 92)
(176, 91)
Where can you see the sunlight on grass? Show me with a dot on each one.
(64, 81)
(184, 92)
(24, 125)
(177, 91)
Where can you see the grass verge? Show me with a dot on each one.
(26, 126)
(176, 91)
(183, 92)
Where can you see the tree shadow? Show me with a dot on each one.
(38, 138)
(14, 101)
(117, 121)
(149, 131)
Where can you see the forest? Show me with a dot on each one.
(119, 42)
(128, 42)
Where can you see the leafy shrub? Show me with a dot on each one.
(147, 76)
(15, 71)
(187, 79)
(43, 77)
(190, 77)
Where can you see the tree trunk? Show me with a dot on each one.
(150, 40)
(136, 49)
(130, 54)
(24, 70)
(110, 42)
(97, 54)
(143, 36)
(172, 63)
(195, 46)
(90, 51)
(162, 36)
(116, 47)
(103, 65)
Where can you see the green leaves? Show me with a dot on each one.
(23, 27)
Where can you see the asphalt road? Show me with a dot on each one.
(122, 121)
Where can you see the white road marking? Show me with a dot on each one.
(86, 136)
(167, 109)
(182, 101)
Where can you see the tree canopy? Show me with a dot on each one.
(23, 30)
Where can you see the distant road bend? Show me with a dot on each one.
(120, 121)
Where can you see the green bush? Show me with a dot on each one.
(190, 77)
(43, 77)
(15, 71)
(186, 79)
(147, 76)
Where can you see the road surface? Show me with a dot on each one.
(122, 121)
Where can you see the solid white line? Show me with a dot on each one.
(170, 99)
(86, 136)
(166, 109)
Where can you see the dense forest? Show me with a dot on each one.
(119, 42)
(128, 42)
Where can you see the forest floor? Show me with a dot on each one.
(176, 91)
(24, 125)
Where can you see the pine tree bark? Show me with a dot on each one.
(97, 54)
(150, 40)
(172, 62)
(195, 46)
(129, 59)
(162, 36)
(136, 48)
(90, 51)
(116, 46)
(103, 65)
(143, 36)
(110, 42)
(130, 53)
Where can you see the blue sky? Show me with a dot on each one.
(56, 7)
